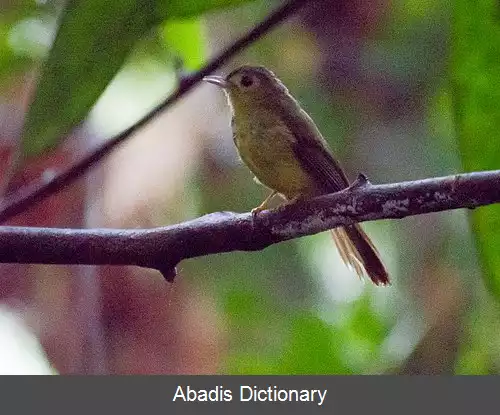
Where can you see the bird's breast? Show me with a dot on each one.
(268, 151)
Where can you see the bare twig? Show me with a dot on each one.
(32, 194)
(163, 248)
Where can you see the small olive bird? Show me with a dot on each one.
(284, 149)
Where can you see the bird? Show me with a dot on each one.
(284, 149)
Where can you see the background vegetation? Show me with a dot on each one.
(402, 90)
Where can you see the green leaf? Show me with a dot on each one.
(186, 39)
(93, 40)
(179, 9)
(476, 95)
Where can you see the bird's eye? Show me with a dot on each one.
(246, 81)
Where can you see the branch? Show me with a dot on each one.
(163, 248)
(32, 194)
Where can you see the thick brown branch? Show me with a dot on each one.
(162, 248)
(32, 194)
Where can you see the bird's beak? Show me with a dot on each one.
(217, 80)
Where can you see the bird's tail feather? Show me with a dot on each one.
(359, 253)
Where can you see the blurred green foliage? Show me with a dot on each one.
(476, 93)
(185, 38)
(10, 60)
(480, 350)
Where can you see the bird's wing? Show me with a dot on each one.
(312, 151)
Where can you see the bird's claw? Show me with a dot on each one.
(255, 211)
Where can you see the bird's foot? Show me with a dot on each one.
(264, 205)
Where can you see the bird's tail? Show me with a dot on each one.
(359, 253)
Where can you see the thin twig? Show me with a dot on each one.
(32, 194)
(163, 248)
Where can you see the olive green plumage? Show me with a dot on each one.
(282, 146)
